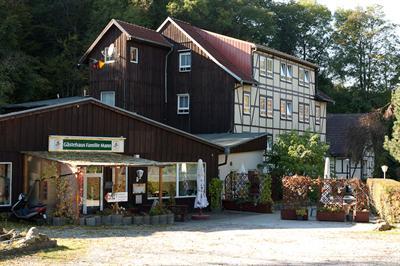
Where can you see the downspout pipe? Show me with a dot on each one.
(166, 75)
(226, 152)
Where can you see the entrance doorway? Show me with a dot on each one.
(93, 189)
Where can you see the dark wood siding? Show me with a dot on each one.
(139, 87)
(29, 132)
(209, 86)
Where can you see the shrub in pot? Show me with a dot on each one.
(302, 214)
(331, 213)
(215, 189)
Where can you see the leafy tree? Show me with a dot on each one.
(392, 143)
(365, 50)
(299, 154)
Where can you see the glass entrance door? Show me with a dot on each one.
(93, 190)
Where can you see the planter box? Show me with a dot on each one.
(331, 216)
(59, 221)
(116, 219)
(106, 220)
(82, 221)
(155, 219)
(146, 219)
(163, 219)
(170, 218)
(247, 206)
(290, 214)
(98, 219)
(138, 220)
(127, 220)
(362, 217)
(91, 221)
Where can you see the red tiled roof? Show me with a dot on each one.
(233, 54)
(142, 33)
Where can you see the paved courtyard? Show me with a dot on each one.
(232, 238)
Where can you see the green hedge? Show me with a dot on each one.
(385, 197)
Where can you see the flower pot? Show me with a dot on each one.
(106, 220)
(59, 221)
(288, 214)
(170, 218)
(146, 219)
(90, 221)
(163, 219)
(331, 216)
(116, 219)
(362, 217)
(98, 219)
(127, 220)
(155, 219)
(82, 221)
(138, 220)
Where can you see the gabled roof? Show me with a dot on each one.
(133, 32)
(337, 132)
(236, 61)
(323, 97)
(111, 108)
(35, 104)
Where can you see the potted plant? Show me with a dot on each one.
(302, 214)
(155, 213)
(215, 189)
(331, 212)
(90, 221)
(170, 217)
(146, 218)
(117, 216)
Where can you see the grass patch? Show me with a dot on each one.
(68, 250)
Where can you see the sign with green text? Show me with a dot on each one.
(86, 144)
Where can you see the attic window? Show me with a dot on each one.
(185, 61)
(107, 58)
(134, 55)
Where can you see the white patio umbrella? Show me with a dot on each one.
(201, 198)
(327, 169)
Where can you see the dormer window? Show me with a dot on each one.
(185, 61)
(109, 58)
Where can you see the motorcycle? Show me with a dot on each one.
(22, 210)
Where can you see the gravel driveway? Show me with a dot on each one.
(231, 238)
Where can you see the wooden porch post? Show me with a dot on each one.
(160, 180)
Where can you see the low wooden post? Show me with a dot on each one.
(160, 180)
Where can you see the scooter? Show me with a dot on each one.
(22, 210)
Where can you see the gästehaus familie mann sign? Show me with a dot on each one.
(85, 144)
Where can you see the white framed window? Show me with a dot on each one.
(109, 59)
(286, 109)
(108, 97)
(286, 72)
(5, 183)
(263, 66)
(263, 106)
(246, 103)
(317, 114)
(119, 179)
(183, 103)
(270, 107)
(185, 61)
(134, 55)
(179, 179)
(304, 76)
(270, 67)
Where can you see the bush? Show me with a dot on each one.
(385, 197)
(215, 189)
(266, 192)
